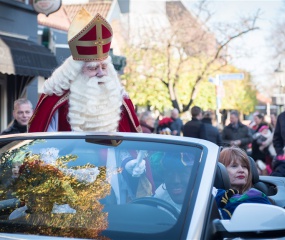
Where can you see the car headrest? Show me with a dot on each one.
(261, 186)
(222, 180)
(255, 175)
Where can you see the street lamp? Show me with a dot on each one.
(280, 77)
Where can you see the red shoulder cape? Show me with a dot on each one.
(48, 105)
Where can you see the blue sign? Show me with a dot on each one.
(231, 76)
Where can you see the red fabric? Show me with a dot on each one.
(47, 105)
(105, 32)
(129, 121)
(165, 121)
(86, 50)
(43, 113)
(106, 47)
(62, 118)
(91, 35)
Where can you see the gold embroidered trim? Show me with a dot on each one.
(139, 129)
(227, 211)
(60, 101)
(34, 114)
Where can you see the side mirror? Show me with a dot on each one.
(253, 220)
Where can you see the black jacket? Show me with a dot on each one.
(279, 134)
(278, 168)
(256, 152)
(241, 133)
(212, 132)
(15, 128)
(195, 129)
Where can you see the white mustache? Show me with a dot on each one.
(99, 80)
(108, 83)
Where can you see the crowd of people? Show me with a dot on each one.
(261, 139)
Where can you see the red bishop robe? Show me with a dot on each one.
(48, 105)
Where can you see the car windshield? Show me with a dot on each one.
(94, 187)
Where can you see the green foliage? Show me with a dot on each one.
(142, 80)
(150, 75)
(239, 95)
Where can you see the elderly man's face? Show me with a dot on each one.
(95, 69)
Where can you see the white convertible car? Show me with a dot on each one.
(124, 186)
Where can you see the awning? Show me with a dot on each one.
(26, 58)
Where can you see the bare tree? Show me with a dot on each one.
(277, 36)
(188, 46)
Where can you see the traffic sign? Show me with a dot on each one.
(231, 76)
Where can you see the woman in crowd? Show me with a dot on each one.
(259, 155)
(238, 167)
(147, 122)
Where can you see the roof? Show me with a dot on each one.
(58, 20)
(62, 18)
(26, 58)
(191, 32)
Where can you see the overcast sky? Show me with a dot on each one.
(257, 43)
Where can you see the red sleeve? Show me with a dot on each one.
(129, 121)
(46, 107)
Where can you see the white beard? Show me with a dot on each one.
(94, 107)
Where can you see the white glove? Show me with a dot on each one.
(134, 169)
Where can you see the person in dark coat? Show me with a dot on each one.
(279, 134)
(195, 128)
(236, 133)
(23, 110)
(176, 126)
(278, 168)
(212, 132)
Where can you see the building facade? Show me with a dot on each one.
(22, 59)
